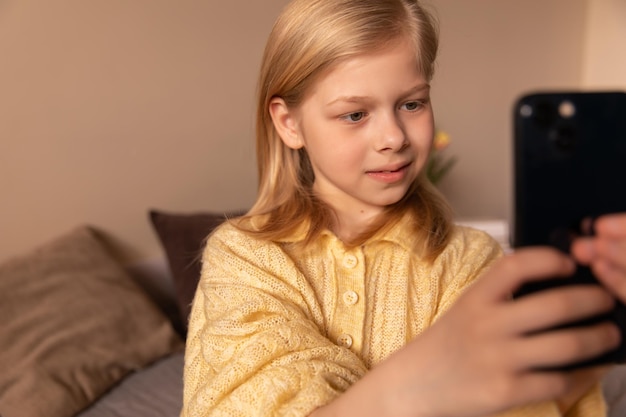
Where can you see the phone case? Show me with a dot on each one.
(570, 167)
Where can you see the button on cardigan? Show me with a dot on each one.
(279, 332)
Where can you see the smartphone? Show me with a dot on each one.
(569, 168)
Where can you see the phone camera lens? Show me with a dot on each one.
(545, 113)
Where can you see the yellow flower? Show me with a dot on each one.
(438, 164)
(441, 141)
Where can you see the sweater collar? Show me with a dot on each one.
(401, 233)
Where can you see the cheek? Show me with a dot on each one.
(422, 148)
(329, 145)
(423, 140)
(429, 141)
(339, 157)
(423, 129)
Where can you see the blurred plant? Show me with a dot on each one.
(439, 164)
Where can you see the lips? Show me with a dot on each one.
(390, 174)
(390, 169)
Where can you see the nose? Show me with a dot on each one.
(391, 134)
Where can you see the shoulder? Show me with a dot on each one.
(234, 249)
(228, 238)
(237, 265)
(469, 253)
(469, 247)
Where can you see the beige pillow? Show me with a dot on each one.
(73, 324)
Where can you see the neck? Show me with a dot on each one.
(348, 225)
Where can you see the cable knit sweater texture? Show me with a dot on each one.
(276, 332)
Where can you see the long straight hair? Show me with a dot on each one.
(309, 38)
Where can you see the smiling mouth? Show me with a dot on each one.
(388, 176)
(390, 171)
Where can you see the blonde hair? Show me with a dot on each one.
(308, 38)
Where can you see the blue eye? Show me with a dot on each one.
(355, 117)
(412, 105)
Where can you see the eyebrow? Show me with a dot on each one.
(360, 99)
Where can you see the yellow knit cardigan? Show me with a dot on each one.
(275, 332)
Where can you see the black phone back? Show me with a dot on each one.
(570, 167)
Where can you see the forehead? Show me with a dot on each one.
(391, 69)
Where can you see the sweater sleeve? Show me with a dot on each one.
(255, 345)
(592, 404)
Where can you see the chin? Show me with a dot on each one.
(390, 200)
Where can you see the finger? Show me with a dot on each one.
(525, 265)
(608, 266)
(611, 225)
(557, 348)
(552, 385)
(535, 387)
(583, 250)
(590, 374)
(614, 279)
(612, 250)
(588, 250)
(558, 306)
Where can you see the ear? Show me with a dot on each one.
(286, 123)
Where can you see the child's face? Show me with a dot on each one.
(367, 126)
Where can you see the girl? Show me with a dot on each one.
(344, 290)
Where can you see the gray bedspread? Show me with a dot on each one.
(615, 391)
(156, 391)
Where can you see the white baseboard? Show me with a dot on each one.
(497, 228)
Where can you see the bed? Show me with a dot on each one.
(84, 335)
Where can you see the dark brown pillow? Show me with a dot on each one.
(182, 237)
(74, 324)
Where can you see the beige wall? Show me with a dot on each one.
(492, 52)
(111, 107)
(605, 45)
